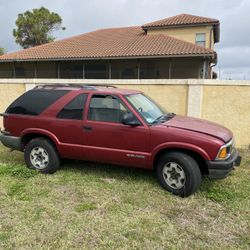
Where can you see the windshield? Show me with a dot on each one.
(148, 109)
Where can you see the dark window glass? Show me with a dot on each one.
(127, 69)
(129, 73)
(20, 72)
(106, 108)
(25, 70)
(148, 70)
(6, 70)
(74, 109)
(71, 70)
(47, 69)
(96, 71)
(35, 101)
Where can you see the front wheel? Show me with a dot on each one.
(178, 173)
(40, 154)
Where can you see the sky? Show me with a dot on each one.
(80, 16)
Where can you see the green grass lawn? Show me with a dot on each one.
(88, 206)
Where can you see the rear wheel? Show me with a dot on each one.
(40, 154)
(178, 173)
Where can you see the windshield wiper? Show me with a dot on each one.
(164, 118)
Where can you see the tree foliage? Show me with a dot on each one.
(2, 51)
(36, 27)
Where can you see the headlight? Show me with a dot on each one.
(226, 150)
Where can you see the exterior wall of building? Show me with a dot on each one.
(224, 102)
(186, 33)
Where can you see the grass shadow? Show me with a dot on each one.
(107, 170)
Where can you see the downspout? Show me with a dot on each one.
(213, 65)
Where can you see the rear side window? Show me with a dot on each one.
(74, 109)
(34, 102)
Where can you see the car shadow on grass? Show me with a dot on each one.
(124, 173)
(107, 170)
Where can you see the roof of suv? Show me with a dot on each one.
(89, 87)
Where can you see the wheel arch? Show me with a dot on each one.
(194, 154)
(29, 135)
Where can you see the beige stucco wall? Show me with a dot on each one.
(172, 97)
(187, 33)
(8, 93)
(229, 106)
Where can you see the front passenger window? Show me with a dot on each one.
(106, 108)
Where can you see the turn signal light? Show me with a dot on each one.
(223, 153)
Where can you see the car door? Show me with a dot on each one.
(67, 125)
(106, 139)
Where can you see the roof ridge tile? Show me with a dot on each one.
(181, 19)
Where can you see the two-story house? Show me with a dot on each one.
(181, 46)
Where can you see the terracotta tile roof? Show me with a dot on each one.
(182, 19)
(110, 43)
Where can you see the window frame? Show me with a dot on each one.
(199, 42)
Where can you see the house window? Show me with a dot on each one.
(47, 69)
(20, 72)
(125, 69)
(25, 70)
(96, 71)
(71, 70)
(200, 39)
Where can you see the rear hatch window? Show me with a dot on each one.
(35, 101)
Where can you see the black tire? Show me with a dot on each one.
(187, 174)
(52, 162)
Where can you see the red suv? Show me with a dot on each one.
(117, 126)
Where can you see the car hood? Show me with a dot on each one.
(200, 126)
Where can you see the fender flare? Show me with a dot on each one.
(180, 145)
(42, 132)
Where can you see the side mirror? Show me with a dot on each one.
(130, 119)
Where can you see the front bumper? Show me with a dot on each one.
(221, 169)
(11, 141)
